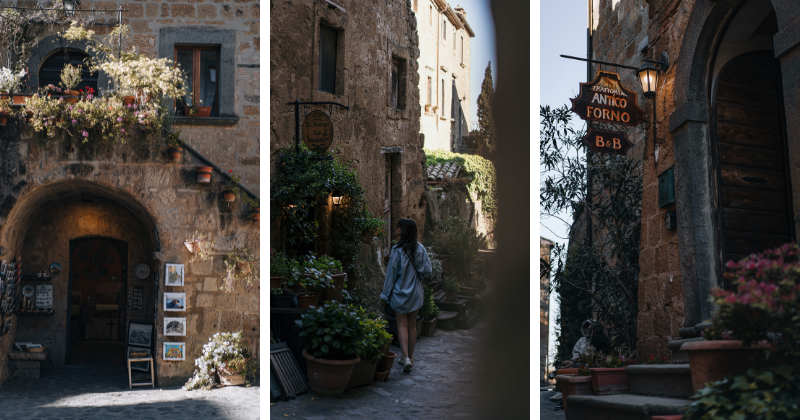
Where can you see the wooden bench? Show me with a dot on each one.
(152, 382)
(25, 364)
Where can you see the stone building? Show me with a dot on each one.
(114, 215)
(362, 55)
(444, 73)
(545, 245)
(726, 122)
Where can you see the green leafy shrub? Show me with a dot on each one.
(429, 309)
(332, 331)
(455, 237)
(374, 337)
(479, 173)
(450, 285)
(280, 265)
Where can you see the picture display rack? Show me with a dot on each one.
(10, 292)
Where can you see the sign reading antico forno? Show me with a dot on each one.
(317, 131)
(609, 142)
(606, 100)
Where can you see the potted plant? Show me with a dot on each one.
(70, 78)
(374, 339)
(229, 195)
(332, 343)
(309, 281)
(427, 107)
(280, 298)
(386, 362)
(611, 378)
(280, 267)
(435, 108)
(174, 149)
(429, 313)
(330, 267)
(226, 355)
(578, 384)
(761, 299)
(197, 109)
(371, 226)
(10, 82)
(202, 248)
(450, 286)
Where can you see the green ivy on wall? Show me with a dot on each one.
(479, 172)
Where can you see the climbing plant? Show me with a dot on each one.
(479, 173)
(606, 270)
(303, 182)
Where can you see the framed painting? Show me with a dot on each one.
(140, 335)
(174, 302)
(174, 351)
(174, 275)
(174, 326)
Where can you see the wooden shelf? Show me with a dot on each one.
(26, 313)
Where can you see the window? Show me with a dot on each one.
(50, 71)
(454, 39)
(444, 28)
(397, 100)
(442, 96)
(462, 50)
(201, 77)
(327, 59)
(430, 90)
(430, 17)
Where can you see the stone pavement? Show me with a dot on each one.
(546, 408)
(440, 385)
(86, 393)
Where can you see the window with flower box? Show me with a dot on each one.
(202, 75)
(50, 70)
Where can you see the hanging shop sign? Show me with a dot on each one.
(608, 142)
(606, 100)
(317, 131)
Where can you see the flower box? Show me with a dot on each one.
(610, 381)
(573, 385)
(202, 111)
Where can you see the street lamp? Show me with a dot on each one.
(648, 75)
(337, 198)
(69, 7)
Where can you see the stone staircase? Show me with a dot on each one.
(657, 391)
(462, 314)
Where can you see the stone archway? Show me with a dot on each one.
(690, 127)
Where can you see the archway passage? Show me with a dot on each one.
(754, 195)
(97, 296)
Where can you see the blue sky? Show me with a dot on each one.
(482, 47)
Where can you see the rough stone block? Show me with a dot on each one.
(231, 321)
(210, 284)
(184, 10)
(207, 11)
(205, 300)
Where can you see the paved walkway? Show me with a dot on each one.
(440, 386)
(76, 393)
(546, 408)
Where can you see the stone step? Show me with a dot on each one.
(661, 380)
(622, 407)
(447, 320)
(679, 356)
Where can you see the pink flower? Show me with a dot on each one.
(122, 129)
(119, 119)
(85, 133)
(74, 121)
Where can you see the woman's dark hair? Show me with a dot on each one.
(408, 236)
(599, 339)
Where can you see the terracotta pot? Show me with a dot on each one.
(368, 235)
(204, 174)
(128, 100)
(174, 154)
(429, 327)
(326, 377)
(305, 301)
(610, 381)
(20, 98)
(190, 246)
(447, 264)
(467, 291)
(387, 360)
(711, 360)
(381, 376)
(573, 385)
(202, 111)
(275, 282)
(229, 196)
(451, 297)
(229, 377)
(427, 108)
(363, 373)
(4, 96)
(255, 215)
(567, 371)
(71, 96)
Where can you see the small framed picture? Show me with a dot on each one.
(174, 351)
(174, 326)
(140, 335)
(174, 275)
(174, 302)
(136, 353)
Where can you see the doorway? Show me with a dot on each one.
(97, 296)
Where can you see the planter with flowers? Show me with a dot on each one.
(333, 269)
(374, 339)
(332, 344)
(225, 355)
(241, 264)
(308, 285)
(197, 110)
(611, 379)
(70, 78)
(201, 247)
(578, 384)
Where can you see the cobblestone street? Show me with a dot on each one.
(85, 393)
(440, 385)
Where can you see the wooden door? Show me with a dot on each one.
(754, 195)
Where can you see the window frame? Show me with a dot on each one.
(335, 34)
(196, 71)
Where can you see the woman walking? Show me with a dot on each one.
(402, 289)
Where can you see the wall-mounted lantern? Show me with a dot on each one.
(69, 7)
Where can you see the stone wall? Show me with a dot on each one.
(439, 205)
(544, 312)
(441, 62)
(370, 35)
(164, 198)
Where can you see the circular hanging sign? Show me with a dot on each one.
(27, 290)
(317, 131)
(141, 271)
(55, 268)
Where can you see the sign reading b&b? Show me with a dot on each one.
(606, 100)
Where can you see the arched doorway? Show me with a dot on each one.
(750, 156)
